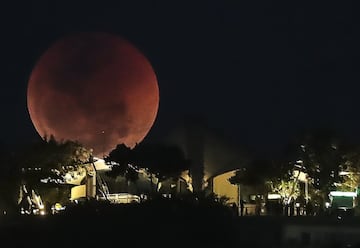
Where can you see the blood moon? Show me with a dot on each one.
(94, 88)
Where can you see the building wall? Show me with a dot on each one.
(222, 187)
(208, 149)
(78, 192)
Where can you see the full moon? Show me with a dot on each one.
(94, 88)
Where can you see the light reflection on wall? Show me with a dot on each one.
(222, 187)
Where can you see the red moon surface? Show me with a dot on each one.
(94, 88)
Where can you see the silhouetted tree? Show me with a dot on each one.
(261, 172)
(351, 169)
(49, 159)
(9, 181)
(52, 154)
(321, 155)
(161, 160)
(123, 156)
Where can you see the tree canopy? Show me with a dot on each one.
(161, 160)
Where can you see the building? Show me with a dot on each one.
(252, 198)
(210, 152)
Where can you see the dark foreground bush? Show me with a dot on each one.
(156, 222)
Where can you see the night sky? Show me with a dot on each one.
(258, 71)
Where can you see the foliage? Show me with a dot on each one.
(50, 159)
(319, 154)
(47, 158)
(9, 181)
(51, 154)
(123, 156)
(287, 189)
(214, 198)
(261, 172)
(162, 161)
(351, 167)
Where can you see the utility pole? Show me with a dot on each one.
(306, 189)
(239, 200)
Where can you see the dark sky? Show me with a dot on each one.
(259, 71)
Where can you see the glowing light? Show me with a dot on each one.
(342, 193)
(121, 198)
(274, 196)
(344, 173)
(58, 206)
